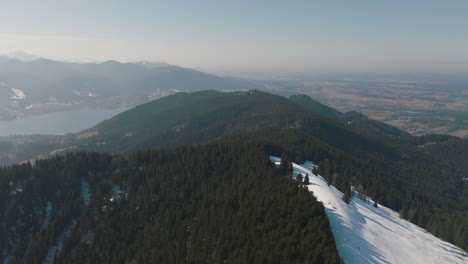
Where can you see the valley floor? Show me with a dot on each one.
(365, 234)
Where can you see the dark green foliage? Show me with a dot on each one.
(299, 178)
(425, 174)
(365, 125)
(306, 179)
(285, 165)
(346, 197)
(391, 166)
(209, 115)
(404, 212)
(314, 106)
(219, 203)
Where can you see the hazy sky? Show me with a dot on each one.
(416, 35)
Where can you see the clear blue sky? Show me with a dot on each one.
(417, 35)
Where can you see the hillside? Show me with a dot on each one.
(422, 178)
(365, 125)
(314, 106)
(367, 234)
(351, 119)
(205, 204)
(209, 115)
(398, 170)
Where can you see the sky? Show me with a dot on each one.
(360, 35)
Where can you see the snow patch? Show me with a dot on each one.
(365, 234)
(18, 94)
(115, 191)
(47, 216)
(276, 160)
(85, 192)
(57, 248)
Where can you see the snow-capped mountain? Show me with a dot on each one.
(365, 234)
(22, 56)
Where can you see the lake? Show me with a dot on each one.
(57, 123)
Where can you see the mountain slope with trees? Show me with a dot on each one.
(218, 203)
(402, 172)
(423, 178)
(188, 118)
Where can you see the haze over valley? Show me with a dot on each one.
(263, 132)
(417, 103)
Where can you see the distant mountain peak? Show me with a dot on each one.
(152, 64)
(111, 62)
(22, 56)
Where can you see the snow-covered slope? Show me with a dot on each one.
(17, 93)
(365, 234)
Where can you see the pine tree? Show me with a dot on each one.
(306, 179)
(290, 168)
(320, 168)
(284, 165)
(346, 197)
(404, 214)
(299, 178)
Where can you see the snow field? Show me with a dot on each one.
(365, 234)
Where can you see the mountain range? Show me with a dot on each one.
(40, 86)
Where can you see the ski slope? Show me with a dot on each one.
(365, 234)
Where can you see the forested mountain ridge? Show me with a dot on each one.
(218, 203)
(315, 106)
(352, 119)
(188, 118)
(421, 177)
(403, 172)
